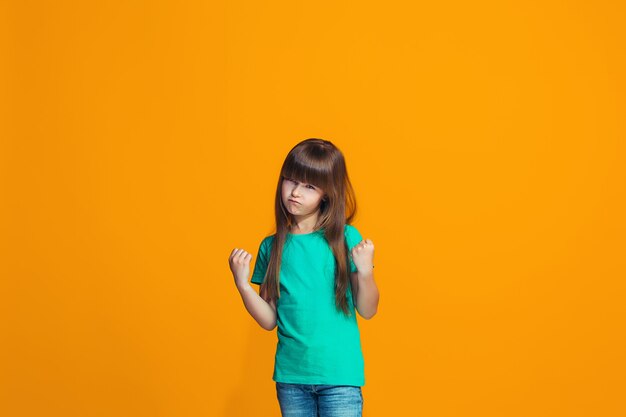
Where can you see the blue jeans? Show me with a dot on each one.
(303, 400)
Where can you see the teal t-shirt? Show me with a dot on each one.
(317, 343)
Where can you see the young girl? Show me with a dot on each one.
(313, 272)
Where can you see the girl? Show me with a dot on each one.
(313, 272)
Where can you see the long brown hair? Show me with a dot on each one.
(320, 163)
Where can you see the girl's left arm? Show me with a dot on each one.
(367, 295)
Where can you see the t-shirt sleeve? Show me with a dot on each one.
(353, 237)
(262, 261)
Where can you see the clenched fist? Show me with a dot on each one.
(239, 262)
(363, 255)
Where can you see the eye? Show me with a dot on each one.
(311, 187)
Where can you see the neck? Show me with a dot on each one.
(304, 224)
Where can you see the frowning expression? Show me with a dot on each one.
(300, 198)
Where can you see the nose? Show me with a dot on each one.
(295, 191)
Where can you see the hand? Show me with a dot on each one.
(363, 255)
(239, 262)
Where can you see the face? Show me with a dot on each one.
(299, 198)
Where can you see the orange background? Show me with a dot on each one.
(141, 142)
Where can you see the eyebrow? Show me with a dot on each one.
(301, 182)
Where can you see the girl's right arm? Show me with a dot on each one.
(262, 311)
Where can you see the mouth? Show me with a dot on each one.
(293, 201)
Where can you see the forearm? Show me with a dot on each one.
(367, 295)
(258, 308)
